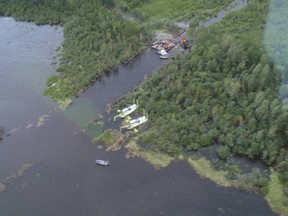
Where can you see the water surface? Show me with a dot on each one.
(64, 179)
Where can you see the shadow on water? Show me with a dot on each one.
(64, 179)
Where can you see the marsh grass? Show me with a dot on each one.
(204, 168)
(275, 195)
(183, 10)
(158, 160)
(113, 139)
(63, 104)
(104, 137)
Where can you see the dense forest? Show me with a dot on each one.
(99, 35)
(228, 92)
(224, 93)
(97, 39)
(228, 81)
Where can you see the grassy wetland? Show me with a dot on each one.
(224, 93)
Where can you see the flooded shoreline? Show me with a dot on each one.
(64, 179)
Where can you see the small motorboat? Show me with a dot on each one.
(102, 162)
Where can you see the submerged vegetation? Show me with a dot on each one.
(1, 134)
(14, 176)
(113, 139)
(224, 93)
(158, 160)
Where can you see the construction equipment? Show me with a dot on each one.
(184, 43)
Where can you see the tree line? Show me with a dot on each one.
(224, 93)
(97, 38)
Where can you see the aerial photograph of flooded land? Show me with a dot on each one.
(143, 108)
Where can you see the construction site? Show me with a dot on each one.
(165, 41)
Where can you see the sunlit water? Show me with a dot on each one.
(64, 179)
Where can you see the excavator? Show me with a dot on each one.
(184, 43)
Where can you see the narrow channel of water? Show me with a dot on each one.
(111, 87)
(94, 101)
(238, 4)
(234, 6)
(64, 179)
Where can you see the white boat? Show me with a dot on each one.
(135, 122)
(102, 162)
(163, 56)
(162, 52)
(126, 111)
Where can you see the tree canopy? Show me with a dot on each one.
(224, 93)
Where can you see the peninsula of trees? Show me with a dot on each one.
(228, 91)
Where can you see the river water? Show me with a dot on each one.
(64, 179)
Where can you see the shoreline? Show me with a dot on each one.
(201, 165)
(132, 145)
(77, 156)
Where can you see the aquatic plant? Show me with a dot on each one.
(1, 134)
(113, 139)
(14, 176)
(2, 187)
(158, 160)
